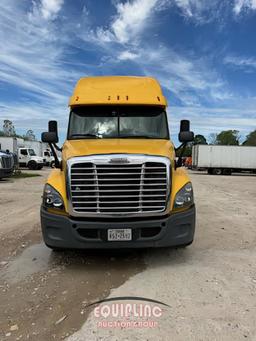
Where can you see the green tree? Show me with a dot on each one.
(30, 136)
(187, 151)
(250, 139)
(199, 139)
(228, 137)
(8, 128)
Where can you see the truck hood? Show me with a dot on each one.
(37, 158)
(86, 147)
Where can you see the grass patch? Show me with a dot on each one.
(19, 175)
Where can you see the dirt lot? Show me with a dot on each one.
(210, 286)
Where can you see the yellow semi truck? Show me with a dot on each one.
(119, 184)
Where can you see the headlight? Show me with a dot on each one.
(185, 197)
(52, 198)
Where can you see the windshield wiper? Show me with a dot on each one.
(86, 135)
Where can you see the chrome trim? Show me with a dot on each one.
(142, 173)
(104, 160)
(7, 161)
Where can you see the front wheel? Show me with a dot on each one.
(32, 165)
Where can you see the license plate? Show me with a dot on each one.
(119, 234)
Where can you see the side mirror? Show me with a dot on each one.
(185, 135)
(184, 125)
(53, 127)
(50, 137)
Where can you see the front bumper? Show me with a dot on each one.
(5, 172)
(69, 233)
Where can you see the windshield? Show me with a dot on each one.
(118, 122)
(31, 152)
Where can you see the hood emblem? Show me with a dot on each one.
(119, 160)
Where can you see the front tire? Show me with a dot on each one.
(32, 165)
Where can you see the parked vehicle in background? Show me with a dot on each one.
(6, 164)
(217, 159)
(38, 146)
(28, 158)
(42, 149)
(26, 153)
(118, 185)
(49, 159)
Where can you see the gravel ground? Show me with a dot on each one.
(210, 287)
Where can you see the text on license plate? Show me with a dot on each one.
(119, 234)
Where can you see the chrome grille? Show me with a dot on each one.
(106, 188)
(7, 161)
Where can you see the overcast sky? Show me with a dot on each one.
(203, 52)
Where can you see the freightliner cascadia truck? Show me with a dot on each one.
(119, 184)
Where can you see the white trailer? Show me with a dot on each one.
(36, 145)
(9, 143)
(224, 159)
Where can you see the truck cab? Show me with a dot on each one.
(49, 159)
(28, 158)
(118, 184)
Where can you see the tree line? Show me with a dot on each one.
(225, 137)
(9, 131)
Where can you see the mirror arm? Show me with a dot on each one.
(57, 147)
(182, 147)
(57, 162)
